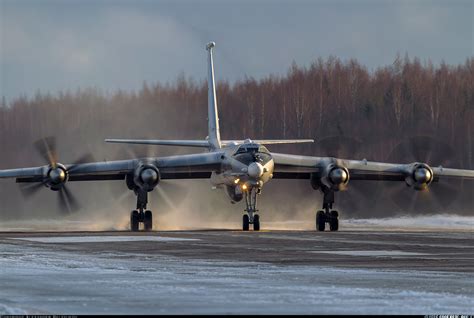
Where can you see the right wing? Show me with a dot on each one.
(302, 167)
(267, 141)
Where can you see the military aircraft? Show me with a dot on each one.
(241, 167)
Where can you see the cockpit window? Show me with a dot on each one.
(248, 153)
(251, 148)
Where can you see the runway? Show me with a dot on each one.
(229, 272)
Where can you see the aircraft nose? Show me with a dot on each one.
(255, 170)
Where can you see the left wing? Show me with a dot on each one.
(172, 167)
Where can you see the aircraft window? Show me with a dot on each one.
(247, 148)
(262, 157)
(252, 153)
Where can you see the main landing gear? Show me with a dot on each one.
(251, 208)
(141, 215)
(327, 216)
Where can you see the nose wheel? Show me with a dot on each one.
(134, 221)
(331, 217)
(245, 223)
(137, 217)
(251, 208)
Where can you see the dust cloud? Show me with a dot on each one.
(194, 205)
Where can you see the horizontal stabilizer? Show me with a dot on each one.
(267, 141)
(184, 143)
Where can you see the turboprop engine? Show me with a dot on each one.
(419, 176)
(145, 177)
(333, 176)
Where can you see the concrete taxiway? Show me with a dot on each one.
(219, 271)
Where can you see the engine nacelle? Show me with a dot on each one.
(145, 177)
(419, 176)
(235, 193)
(336, 177)
(56, 177)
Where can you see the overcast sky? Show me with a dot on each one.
(58, 45)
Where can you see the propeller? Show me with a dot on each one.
(57, 175)
(438, 195)
(170, 193)
(46, 148)
(30, 189)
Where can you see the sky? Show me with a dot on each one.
(51, 45)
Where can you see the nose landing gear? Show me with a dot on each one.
(251, 208)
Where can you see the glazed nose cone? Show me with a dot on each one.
(255, 170)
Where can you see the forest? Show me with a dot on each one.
(350, 111)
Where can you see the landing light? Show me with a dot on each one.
(244, 187)
(236, 181)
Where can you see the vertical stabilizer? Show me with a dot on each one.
(212, 115)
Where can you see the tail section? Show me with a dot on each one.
(213, 141)
(213, 117)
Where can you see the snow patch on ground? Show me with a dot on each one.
(422, 222)
(372, 253)
(8, 310)
(63, 282)
(102, 239)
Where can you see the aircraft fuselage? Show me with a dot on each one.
(245, 166)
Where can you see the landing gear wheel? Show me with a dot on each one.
(148, 221)
(134, 221)
(334, 221)
(320, 221)
(245, 223)
(256, 222)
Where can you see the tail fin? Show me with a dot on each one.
(212, 115)
(213, 141)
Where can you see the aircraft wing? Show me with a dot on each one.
(172, 167)
(301, 167)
